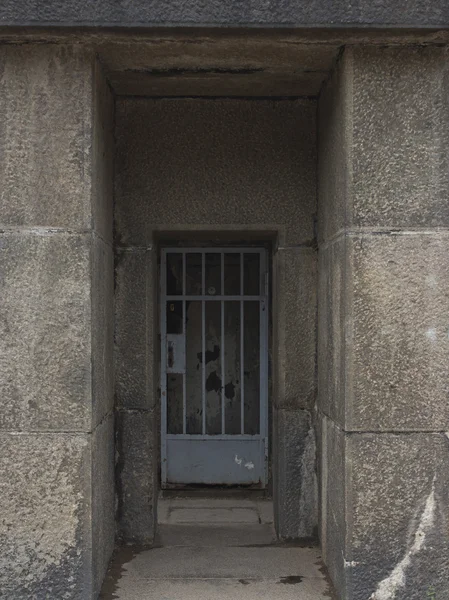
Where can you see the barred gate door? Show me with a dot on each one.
(214, 366)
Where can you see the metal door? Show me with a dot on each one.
(214, 366)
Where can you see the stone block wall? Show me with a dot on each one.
(56, 266)
(228, 170)
(340, 14)
(136, 385)
(383, 322)
(294, 391)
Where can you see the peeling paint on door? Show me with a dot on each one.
(214, 367)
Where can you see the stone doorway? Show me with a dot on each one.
(205, 144)
(201, 171)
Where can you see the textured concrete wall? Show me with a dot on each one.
(102, 327)
(294, 382)
(136, 382)
(219, 166)
(141, 13)
(56, 479)
(214, 164)
(383, 322)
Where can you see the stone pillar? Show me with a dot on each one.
(384, 323)
(56, 269)
(294, 356)
(136, 380)
(294, 391)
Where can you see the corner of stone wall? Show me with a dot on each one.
(102, 315)
(383, 345)
(56, 480)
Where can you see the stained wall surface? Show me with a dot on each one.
(383, 321)
(141, 13)
(229, 166)
(56, 420)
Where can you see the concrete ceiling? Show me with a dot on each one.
(218, 66)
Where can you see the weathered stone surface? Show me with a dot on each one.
(45, 332)
(263, 84)
(57, 328)
(135, 328)
(103, 500)
(140, 13)
(102, 298)
(102, 331)
(294, 464)
(317, 422)
(397, 333)
(102, 155)
(185, 162)
(294, 314)
(384, 140)
(136, 475)
(385, 515)
(383, 306)
(45, 529)
(383, 343)
(45, 136)
(335, 151)
(333, 506)
(332, 304)
(216, 64)
(400, 136)
(397, 514)
(182, 53)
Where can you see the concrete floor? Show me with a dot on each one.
(216, 549)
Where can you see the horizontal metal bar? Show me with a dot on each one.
(174, 298)
(226, 436)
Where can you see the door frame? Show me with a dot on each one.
(263, 299)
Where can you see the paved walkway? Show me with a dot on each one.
(211, 549)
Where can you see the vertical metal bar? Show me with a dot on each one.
(184, 317)
(264, 361)
(203, 342)
(222, 349)
(242, 366)
(184, 290)
(163, 289)
(203, 273)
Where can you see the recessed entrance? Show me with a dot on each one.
(223, 187)
(214, 367)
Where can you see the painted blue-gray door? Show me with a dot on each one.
(214, 366)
